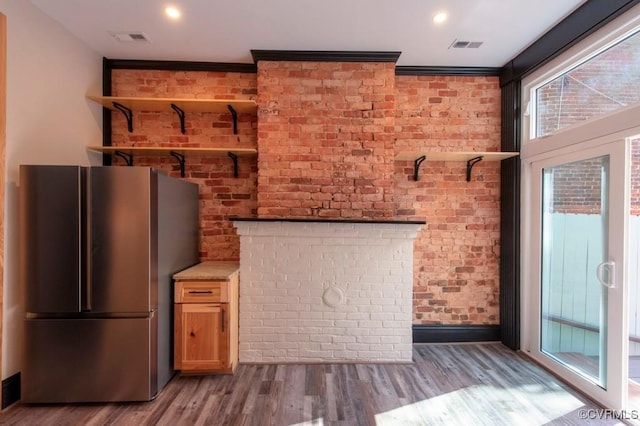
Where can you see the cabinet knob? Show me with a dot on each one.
(192, 334)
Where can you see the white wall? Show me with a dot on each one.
(49, 121)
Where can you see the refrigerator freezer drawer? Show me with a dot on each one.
(89, 360)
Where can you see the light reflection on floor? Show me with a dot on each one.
(501, 407)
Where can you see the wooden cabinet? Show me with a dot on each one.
(201, 337)
(206, 322)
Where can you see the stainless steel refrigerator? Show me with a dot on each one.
(98, 247)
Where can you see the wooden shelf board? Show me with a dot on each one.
(454, 156)
(150, 150)
(187, 105)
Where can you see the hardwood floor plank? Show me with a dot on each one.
(207, 408)
(291, 402)
(447, 384)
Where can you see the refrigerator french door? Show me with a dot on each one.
(98, 322)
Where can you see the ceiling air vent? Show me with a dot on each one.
(127, 36)
(461, 44)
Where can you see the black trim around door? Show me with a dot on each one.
(510, 218)
(585, 20)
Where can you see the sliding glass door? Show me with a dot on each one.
(578, 268)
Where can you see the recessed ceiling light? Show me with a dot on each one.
(172, 12)
(440, 17)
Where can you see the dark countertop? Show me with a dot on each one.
(327, 220)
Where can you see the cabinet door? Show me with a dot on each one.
(201, 332)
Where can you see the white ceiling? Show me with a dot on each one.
(226, 31)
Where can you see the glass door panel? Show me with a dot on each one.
(576, 267)
(575, 222)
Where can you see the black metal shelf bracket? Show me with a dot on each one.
(416, 166)
(180, 158)
(180, 113)
(234, 117)
(470, 163)
(128, 158)
(128, 114)
(234, 157)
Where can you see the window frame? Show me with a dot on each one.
(602, 40)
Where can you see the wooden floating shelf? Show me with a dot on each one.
(471, 157)
(127, 153)
(187, 105)
(153, 150)
(126, 105)
(455, 156)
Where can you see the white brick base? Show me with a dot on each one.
(325, 291)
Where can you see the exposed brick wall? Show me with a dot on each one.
(327, 134)
(325, 137)
(456, 264)
(221, 195)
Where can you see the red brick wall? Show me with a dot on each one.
(456, 268)
(325, 134)
(221, 195)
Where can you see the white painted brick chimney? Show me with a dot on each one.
(325, 291)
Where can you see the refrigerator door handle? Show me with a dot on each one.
(85, 233)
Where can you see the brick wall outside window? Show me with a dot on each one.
(603, 84)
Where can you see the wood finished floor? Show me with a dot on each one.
(464, 384)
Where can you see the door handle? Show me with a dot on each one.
(610, 267)
(223, 313)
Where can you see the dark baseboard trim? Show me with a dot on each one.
(135, 64)
(10, 390)
(455, 333)
(463, 71)
(323, 56)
